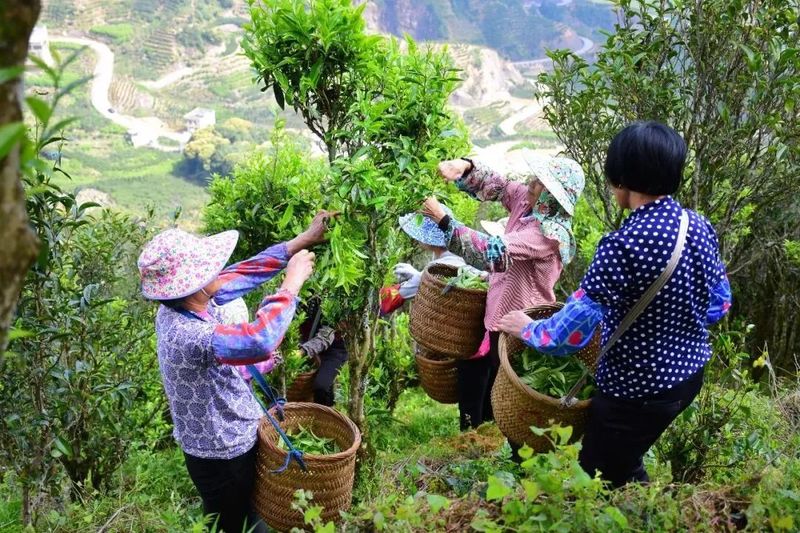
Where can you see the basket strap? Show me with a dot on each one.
(569, 399)
(277, 403)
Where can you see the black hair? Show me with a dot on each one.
(646, 157)
(172, 304)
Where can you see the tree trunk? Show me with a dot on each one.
(17, 18)
(359, 347)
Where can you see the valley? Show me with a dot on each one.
(153, 62)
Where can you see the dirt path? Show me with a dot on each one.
(147, 130)
(525, 109)
(543, 62)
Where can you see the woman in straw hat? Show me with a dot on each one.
(213, 411)
(430, 238)
(526, 260)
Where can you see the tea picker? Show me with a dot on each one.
(215, 416)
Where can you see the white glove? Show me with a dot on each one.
(404, 272)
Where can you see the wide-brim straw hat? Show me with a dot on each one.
(423, 229)
(562, 176)
(176, 263)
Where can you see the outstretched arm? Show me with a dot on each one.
(564, 333)
(241, 278)
(248, 343)
(486, 185)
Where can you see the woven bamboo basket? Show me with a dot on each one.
(438, 375)
(517, 406)
(329, 477)
(449, 324)
(302, 388)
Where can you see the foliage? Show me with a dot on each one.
(715, 432)
(206, 153)
(314, 58)
(68, 393)
(553, 376)
(305, 439)
(465, 279)
(394, 368)
(121, 32)
(381, 112)
(269, 198)
(193, 37)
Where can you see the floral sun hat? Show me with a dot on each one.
(561, 176)
(423, 229)
(175, 263)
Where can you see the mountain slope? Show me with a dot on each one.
(519, 30)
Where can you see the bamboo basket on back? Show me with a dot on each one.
(517, 406)
(302, 388)
(438, 375)
(448, 323)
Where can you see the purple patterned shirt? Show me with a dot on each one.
(213, 410)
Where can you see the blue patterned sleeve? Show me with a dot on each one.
(248, 343)
(721, 301)
(241, 278)
(567, 331)
(720, 296)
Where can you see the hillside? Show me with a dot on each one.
(163, 58)
(520, 30)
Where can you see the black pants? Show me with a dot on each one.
(225, 486)
(619, 432)
(331, 360)
(475, 380)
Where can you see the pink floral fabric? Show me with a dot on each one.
(176, 263)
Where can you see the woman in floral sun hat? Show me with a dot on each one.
(524, 262)
(214, 413)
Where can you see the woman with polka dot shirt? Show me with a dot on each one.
(654, 371)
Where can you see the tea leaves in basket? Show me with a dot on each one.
(550, 375)
(305, 440)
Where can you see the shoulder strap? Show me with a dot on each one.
(641, 305)
(653, 290)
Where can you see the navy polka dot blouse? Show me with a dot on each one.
(668, 342)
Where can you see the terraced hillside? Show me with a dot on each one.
(171, 56)
(520, 30)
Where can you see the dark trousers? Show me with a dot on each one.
(225, 486)
(619, 432)
(475, 380)
(331, 361)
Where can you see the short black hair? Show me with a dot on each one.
(646, 157)
(175, 305)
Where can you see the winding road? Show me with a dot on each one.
(586, 46)
(145, 130)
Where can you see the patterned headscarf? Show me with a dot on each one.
(556, 224)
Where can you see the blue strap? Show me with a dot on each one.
(264, 386)
(293, 452)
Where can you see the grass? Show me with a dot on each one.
(120, 33)
(152, 491)
(137, 179)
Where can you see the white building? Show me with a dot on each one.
(39, 44)
(200, 117)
